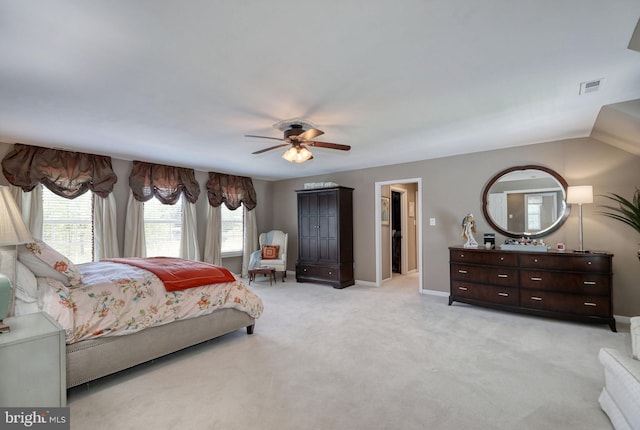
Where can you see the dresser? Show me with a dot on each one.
(33, 360)
(325, 236)
(567, 285)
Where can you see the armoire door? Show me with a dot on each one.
(328, 227)
(307, 227)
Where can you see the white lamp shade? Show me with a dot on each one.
(297, 154)
(12, 228)
(580, 194)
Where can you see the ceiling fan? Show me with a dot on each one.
(299, 137)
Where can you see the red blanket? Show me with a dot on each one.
(178, 273)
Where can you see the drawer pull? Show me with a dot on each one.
(588, 263)
(589, 304)
(462, 288)
(501, 258)
(330, 273)
(502, 276)
(536, 279)
(536, 298)
(461, 255)
(535, 260)
(503, 294)
(589, 283)
(464, 272)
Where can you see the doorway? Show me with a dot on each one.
(396, 232)
(398, 229)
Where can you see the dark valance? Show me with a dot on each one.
(232, 190)
(67, 174)
(165, 182)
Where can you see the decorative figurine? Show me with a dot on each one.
(468, 228)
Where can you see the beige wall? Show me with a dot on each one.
(452, 187)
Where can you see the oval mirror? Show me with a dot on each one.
(529, 201)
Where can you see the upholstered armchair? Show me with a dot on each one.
(620, 397)
(272, 252)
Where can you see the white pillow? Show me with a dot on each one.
(26, 284)
(56, 261)
(39, 267)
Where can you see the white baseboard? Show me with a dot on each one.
(366, 283)
(436, 293)
(622, 319)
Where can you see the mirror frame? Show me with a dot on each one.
(555, 226)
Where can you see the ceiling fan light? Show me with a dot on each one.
(297, 154)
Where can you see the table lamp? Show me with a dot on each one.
(13, 232)
(580, 194)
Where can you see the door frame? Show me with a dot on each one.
(404, 219)
(378, 227)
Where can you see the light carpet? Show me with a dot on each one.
(366, 358)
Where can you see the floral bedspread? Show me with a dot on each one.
(116, 299)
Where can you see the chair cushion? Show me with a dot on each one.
(270, 252)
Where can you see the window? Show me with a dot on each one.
(541, 210)
(534, 212)
(67, 225)
(232, 230)
(162, 228)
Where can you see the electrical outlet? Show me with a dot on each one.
(432, 221)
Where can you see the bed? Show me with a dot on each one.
(117, 314)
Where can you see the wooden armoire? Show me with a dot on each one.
(325, 236)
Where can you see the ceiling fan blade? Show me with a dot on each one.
(265, 137)
(310, 134)
(270, 148)
(329, 145)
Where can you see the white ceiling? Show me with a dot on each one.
(182, 82)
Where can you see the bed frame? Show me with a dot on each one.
(92, 359)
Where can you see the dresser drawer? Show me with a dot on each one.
(330, 273)
(543, 261)
(494, 258)
(502, 276)
(579, 283)
(463, 256)
(567, 262)
(489, 258)
(567, 303)
(486, 293)
(590, 263)
(463, 272)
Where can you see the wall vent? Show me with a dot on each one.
(590, 86)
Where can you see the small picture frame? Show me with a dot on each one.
(384, 210)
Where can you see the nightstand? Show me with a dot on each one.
(33, 362)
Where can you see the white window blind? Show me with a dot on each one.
(232, 230)
(162, 228)
(68, 225)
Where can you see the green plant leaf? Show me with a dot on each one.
(627, 211)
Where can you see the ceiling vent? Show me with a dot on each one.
(590, 86)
